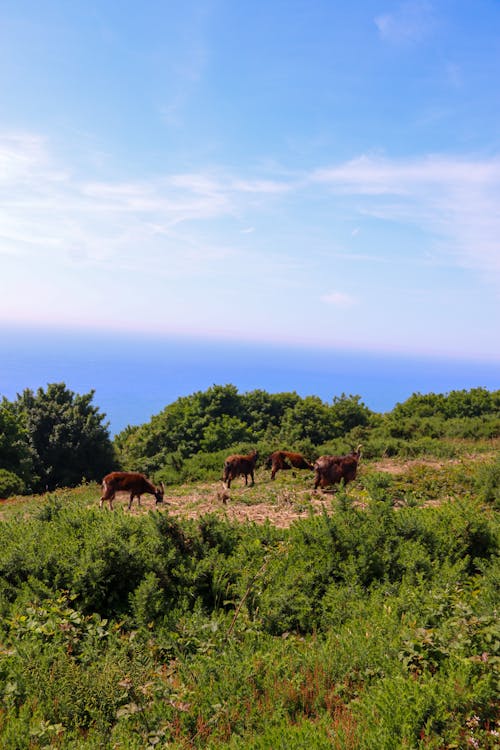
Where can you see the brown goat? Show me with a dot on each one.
(283, 460)
(129, 481)
(332, 469)
(237, 465)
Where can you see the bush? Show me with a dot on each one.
(359, 628)
(10, 484)
(488, 483)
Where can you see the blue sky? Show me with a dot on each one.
(320, 173)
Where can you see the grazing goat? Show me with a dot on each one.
(235, 466)
(286, 460)
(132, 482)
(332, 469)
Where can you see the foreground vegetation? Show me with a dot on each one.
(361, 618)
(369, 623)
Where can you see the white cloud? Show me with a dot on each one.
(410, 22)
(264, 187)
(339, 299)
(456, 199)
(178, 220)
(20, 155)
(50, 212)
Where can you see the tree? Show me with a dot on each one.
(349, 412)
(15, 454)
(264, 411)
(224, 432)
(66, 435)
(310, 419)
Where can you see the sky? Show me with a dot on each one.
(303, 172)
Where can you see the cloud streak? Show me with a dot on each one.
(454, 198)
(45, 208)
(411, 22)
(339, 299)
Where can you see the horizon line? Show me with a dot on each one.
(229, 337)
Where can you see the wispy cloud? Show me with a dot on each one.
(339, 299)
(45, 207)
(75, 220)
(454, 198)
(410, 22)
(23, 156)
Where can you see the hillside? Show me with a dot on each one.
(290, 497)
(361, 617)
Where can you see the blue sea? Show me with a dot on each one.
(135, 376)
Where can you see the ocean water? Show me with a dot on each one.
(135, 376)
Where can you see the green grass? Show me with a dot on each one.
(370, 622)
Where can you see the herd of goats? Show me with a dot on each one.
(328, 470)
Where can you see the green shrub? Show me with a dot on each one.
(488, 483)
(357, 628)
(10, 484)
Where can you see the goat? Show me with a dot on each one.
(332, 469)
(286, 460)
(129, 481)
(237, 465)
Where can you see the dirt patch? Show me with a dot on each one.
(397, 466)
(280, 513)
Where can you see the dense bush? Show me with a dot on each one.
(57, 438)
(357, 628)
(222, 419)
(10, 484)
(179, 440)
(371, 625)
(54, 438)
(15, 453)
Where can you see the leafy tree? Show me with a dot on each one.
(15, 454)
(476, 402)
(310, 419)
(217, 401)
(211, 420)
(349, 412)
(224, 432)
(66, 436)
(456, 404)
(10, 484)
(264, 411)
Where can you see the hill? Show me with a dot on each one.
(362, 617)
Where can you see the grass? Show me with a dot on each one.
(365, 617)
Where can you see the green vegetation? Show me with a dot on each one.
(54, 438)
(188, 440)
(368, 618)
(362, 626)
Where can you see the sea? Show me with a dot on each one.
(134, 376)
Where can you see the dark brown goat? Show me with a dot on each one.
(286, 460)
(235, 466)
(332, 469)
(132, 482)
